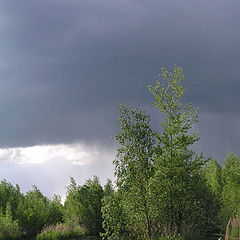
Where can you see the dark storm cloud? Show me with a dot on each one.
(66, 65)
(219, 133)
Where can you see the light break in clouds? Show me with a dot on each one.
(78, 154)
(49, 167)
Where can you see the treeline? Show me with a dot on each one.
(163, 189)
(24, 216)
(197, 206)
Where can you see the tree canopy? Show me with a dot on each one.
(161, 189)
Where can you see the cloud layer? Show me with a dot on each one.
(65, 66)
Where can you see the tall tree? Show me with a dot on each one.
(134, 166)
(160, 185)
(115, 223)
(71, 204)
(231, 186)
(179, 119)
(83, 205)
(177, 168)
(213, 175)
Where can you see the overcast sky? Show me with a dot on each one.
(66, 65)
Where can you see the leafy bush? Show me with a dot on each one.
(9, 228)
(61, 232)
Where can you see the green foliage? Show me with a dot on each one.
(231, 187)
(161, 188)
(71, 209)
(213, 174)
(10, 195)
(177, 201)
(83, 205)
(33, 212)
(134, 167)
(179, 118)
(134, 156)
(9, 228)
(29, 213)
(108, 188)
(55, 210)
(115, 223)
(36, 211)
(61, 232)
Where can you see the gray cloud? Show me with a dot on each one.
(66, 65)
(220, 134)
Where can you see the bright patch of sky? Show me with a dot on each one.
(49, 167)
(78, 154)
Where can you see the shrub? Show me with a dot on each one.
(61, 232)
